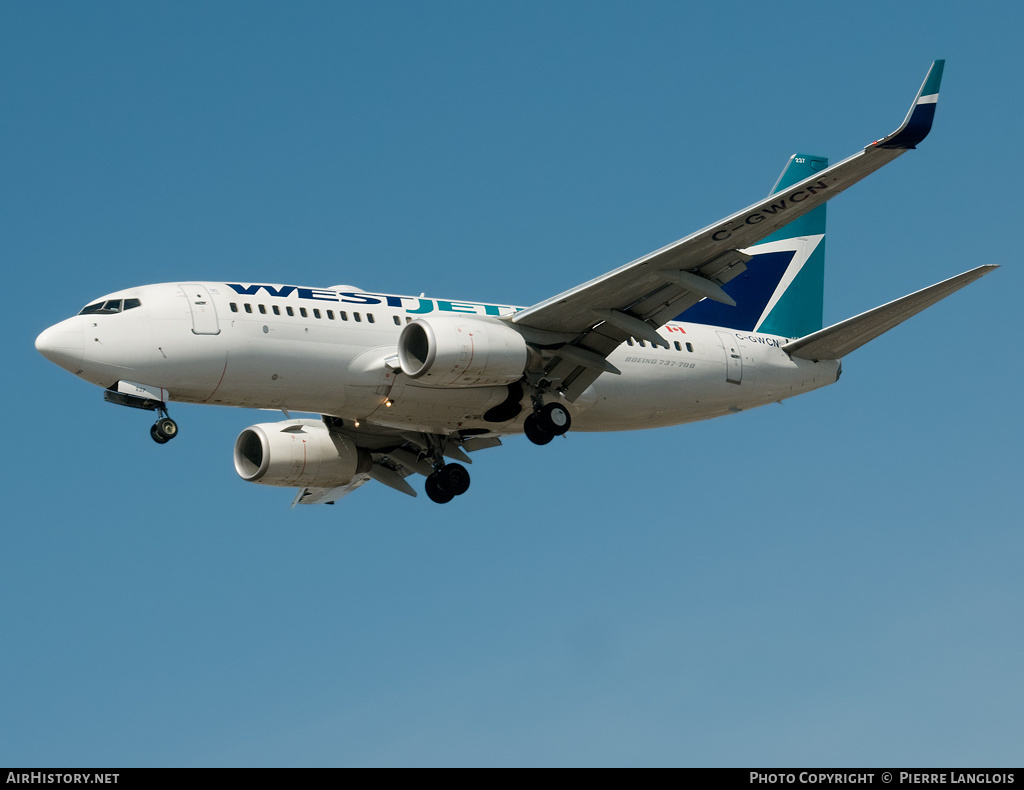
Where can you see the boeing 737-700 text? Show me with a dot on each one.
(726, 319)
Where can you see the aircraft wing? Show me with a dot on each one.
(396, 455)
(582, 326)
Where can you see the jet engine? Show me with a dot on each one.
(460, 351)
(298, 453)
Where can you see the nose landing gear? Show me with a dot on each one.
(546, 423)
(163, 430)
(150, 398)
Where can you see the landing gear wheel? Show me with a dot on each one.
(167, 427)
(454, 478)
(554, 418)
(164, 430)
(535, 431)
(435, 492)
(448, 482)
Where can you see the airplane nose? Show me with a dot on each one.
(62, 344)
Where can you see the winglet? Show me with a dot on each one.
(922, 112)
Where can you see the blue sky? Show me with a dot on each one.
(832, 581)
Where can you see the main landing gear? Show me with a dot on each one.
(164, 429)
(546, 423)
(447, 482)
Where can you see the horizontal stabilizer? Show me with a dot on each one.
(838, 340)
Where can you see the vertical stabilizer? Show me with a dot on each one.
(782, 290)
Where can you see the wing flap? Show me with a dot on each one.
(838, 340)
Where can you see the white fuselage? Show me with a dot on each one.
(333, 351)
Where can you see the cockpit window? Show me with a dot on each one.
(100, 308)
(110, 306)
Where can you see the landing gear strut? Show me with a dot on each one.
(546, 423)
(447, 482)
(164, 429)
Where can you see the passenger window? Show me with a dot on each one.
(408, 319)
(248, 307)
(276, 309)
(330, 314)
(641, 344)
(398, 321)
(343, 314)
(678, 347)
(289, 310)
(629, 341)
(689, 347)
(303, 313)
(369, 317)
(357, 316)
(263, 310)
(316, 313)
(234, 307)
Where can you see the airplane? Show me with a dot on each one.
(723, 320)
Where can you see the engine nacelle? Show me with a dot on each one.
(460, 351)
(298, 453)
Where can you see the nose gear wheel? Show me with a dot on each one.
(164, 430)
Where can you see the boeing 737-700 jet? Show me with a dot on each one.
(723, 320)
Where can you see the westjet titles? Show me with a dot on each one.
(420, 307)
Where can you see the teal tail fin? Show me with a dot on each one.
(782, 290)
